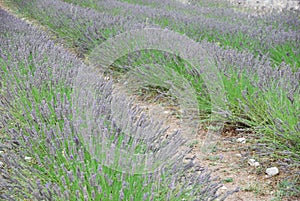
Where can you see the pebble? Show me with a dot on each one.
(223, 188)
(241, 140)
(199, 168)
(184, 1)
(1, 164)
(189, 159)
(253, 162)
(272, 171)
(238, 155)
(27, 158)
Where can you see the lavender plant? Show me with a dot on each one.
(222, 25)
(81, 28)
(258, 55)
(255, 92)
(44, 151)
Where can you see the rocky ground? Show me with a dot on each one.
(265, 6)
(235, 161)
(261, 6)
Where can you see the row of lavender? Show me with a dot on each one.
(261, 93)
(81, 28)
(258, 34)
(259, 85)
(41, 144)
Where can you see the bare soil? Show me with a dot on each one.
(228, 163)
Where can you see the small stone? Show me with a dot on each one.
(1, 152)
(272, 171)
(241, 140)
(251, 161)
(27, 158)
(223, 188)
(1, 164)
(199, 168)
(238, 155)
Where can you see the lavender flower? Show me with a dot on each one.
(39, 117)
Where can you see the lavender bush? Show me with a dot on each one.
(281, 45)
(82, 28)
(44, 155)
(224, 25)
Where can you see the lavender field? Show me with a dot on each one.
(76, 77)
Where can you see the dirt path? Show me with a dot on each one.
(229, 161)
